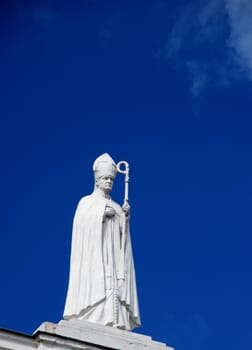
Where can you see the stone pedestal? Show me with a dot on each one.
(87, 335)
(78, 335)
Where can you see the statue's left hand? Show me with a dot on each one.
(126, 208)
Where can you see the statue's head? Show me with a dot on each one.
(105, 172)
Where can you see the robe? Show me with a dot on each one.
(102, 285)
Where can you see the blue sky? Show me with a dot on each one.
(167, 87)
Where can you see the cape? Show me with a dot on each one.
(86, 289)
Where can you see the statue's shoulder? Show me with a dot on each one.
(83, 204)
(84, 200)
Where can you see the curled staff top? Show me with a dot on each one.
(124, 171)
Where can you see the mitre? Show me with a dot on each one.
(104, 165)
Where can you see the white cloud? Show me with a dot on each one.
(197, 76)
(240, 40)
(212, 40)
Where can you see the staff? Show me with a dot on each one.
(125, 171)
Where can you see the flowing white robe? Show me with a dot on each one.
(102, 286)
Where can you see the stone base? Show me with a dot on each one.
(88, 335)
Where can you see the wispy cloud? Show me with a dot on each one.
(43, 16)
(212, 41)
(240, 40)
(197, 75)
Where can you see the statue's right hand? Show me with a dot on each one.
(109, 211)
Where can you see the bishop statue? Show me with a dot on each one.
(102, 284)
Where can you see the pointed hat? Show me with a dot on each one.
(104, 165)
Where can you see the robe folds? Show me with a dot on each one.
(102, 285)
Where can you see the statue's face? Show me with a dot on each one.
(105, 183)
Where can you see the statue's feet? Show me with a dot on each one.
(116, 325)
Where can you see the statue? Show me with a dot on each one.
(102, 286)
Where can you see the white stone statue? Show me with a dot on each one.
(102, 286)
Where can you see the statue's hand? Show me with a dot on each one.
(126, 208)
(109, 211)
